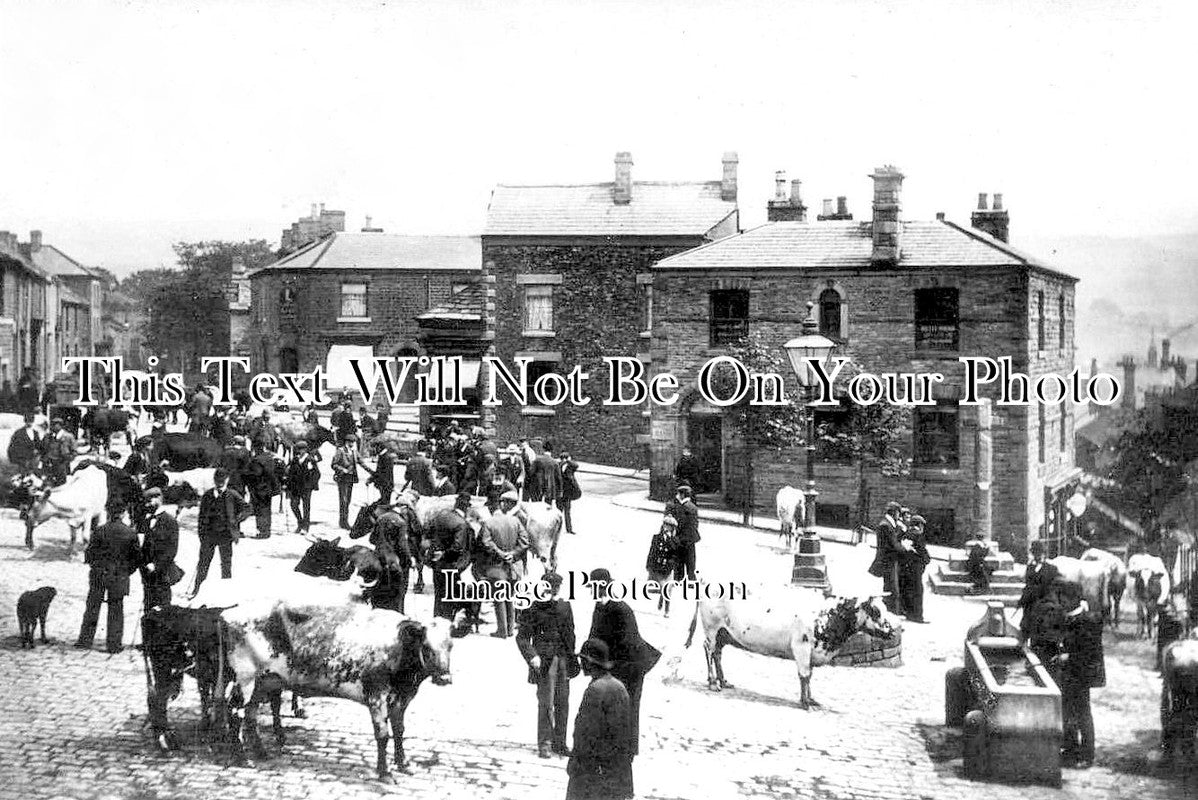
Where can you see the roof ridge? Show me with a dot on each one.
(990, 241)
(587, 184)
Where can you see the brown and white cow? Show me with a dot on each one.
(349, 651)
(544, 525)
(83, 498)
(797, 624)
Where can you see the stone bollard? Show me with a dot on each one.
(977, 762)
(956, 696)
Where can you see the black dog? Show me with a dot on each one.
(31, 609)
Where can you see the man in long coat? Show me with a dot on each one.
(614, 623)
(113, 555)
(546, 478)
(1038, 583)
(452, 542)
(504, 541)
(1080, 668)
(263, 483)
(600, 768)
(546, 640)
(887, 556)
(25, 446)
(419, 473)
(391, 540)
(686, 513)
(221, 513)
(158, 552)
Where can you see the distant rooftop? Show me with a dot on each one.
(356, 251)
(53, 261)
(655, 209)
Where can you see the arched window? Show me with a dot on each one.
(829, 314)
(1061, 322)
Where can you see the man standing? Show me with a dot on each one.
(158, 553)
(201, 410)
(527, 457)
(345, 474)
(571, 491)
(264, 432)
(546, 640)
(914, 560)
(391, 538)
(221, 515)
(600, 768)
(342, 421)
(25, 446)
(303, 478)
(687, 513)
(494, 490)
(546, 478)
(504, 541)
(59, 452)
(113, 556)
(977, 550)
(419, 474)
(236, 461)
(614, 623)
(368, 430)
(138, 463)
(1037, 584)
(263, 484)
(452, 541)
(886, 558)
(1081, 668)
(687, 472)
(383, 476)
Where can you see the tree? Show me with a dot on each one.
(872, 437)
(188, 308)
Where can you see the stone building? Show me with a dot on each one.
(24, 333)
(352, 295)
(896, 296)
(570, 270)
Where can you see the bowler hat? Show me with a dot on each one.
(918, 520)
(596, 652)
(153, 491)
(301, 445)
(892, 506)
(599, 575)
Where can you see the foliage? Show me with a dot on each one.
(1151, 469)
(187, 308)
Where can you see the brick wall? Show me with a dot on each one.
(599, 310)
(308, 323)
(995, 320)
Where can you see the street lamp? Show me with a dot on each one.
(810, 568)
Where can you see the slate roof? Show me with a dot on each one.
(656, 209)
(356, 251)
(466, 305)
(53, 261)
(68, 295)
(813, 245)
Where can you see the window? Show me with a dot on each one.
(937, 323)
(1042, 426)
(286, 296)
(648, 321)
(1064, 429)
(353, 301)
(829, 420)
(942, 527)
(936, 443)
(1040, 321)
(1061, 322)
(829, 314)
(729, 316)
(535, 370)
(538, 309)
(833, 515)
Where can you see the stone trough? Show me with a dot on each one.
(1007, 703)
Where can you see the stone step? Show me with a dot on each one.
(1005, 576)
(960, 563)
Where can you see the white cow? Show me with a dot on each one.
(77, 502)
(1116, 581)
(797, 624)
(790, 507)
(201, 479)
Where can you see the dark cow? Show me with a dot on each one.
(184, 451)
(350, 651)
(101, 423)
(181, 641)
(325, 559)
(292, 431)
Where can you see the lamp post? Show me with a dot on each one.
(810, 568)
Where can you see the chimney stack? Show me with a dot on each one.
(1093, 367)
(842, 206)
(728, 183)
(887, 228)
(35, 241)
(313, 215)
(829, 209)
(995, 220)
(622, 191)
(940, 216)
(369, 228)
(783, 208)
(1165, 345)
(1129, 382)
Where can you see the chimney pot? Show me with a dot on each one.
(728, 183)
(1165, 345)
(981, 201)
(842, 206)
(622, 190)
(780, 185)
(313, 214)
(997, 201)
(796, 196)
(995, 221)
(35, 240)
(940, 216)
(829, 209)
(887, 229)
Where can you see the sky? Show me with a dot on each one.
(125, 126)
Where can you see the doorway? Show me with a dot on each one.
(705, 437)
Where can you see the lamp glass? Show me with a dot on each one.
(802, 350)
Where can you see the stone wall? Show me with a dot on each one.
(863, 650)
(599, 306)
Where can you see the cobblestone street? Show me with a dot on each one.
(71, 722)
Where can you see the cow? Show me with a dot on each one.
(1091, 576)
(184, 451)
(1179, 700)
(180, 641)
(801, 625)
(1116, 582)
(1147, 592)
(292, 431)
(101, 423)
(789, 504)
(350, 651)
(543, 523)
(79, 501)
(185, 488)
(124, 492)
(327, 559)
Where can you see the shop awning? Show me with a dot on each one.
(467, 376)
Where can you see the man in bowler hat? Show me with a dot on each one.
(600, 768)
